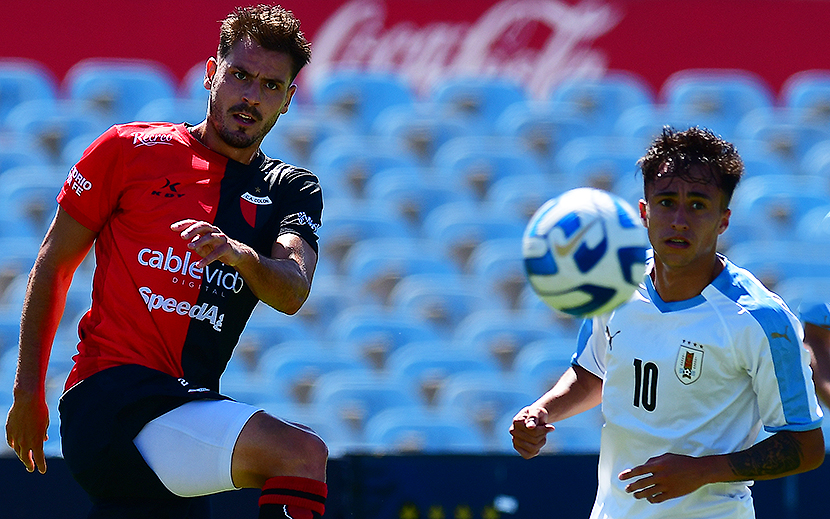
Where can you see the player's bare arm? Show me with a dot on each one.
(672, 475)
(577, 390)
(66, 244)
(817, 341)
(282, 281)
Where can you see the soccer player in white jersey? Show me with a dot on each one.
(692, 367)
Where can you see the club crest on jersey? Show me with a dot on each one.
(250, 204)
(689, 362)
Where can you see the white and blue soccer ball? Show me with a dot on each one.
(585, 252)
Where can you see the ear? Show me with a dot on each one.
(210, 72)
(288, 96)
(643, 213)
(724, 222)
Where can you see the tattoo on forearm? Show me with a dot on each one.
(781, 454)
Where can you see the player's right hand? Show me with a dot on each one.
(26, 428)
(529, 430)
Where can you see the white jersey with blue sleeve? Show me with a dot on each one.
(695, 377)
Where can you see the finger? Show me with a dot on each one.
(40, 461)
(633, 473)
(182, 224)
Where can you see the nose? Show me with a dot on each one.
(251, 93)
(679, 219)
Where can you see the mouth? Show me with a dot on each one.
(677, 243)
(244, 118)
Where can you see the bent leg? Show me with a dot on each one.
(288, 461)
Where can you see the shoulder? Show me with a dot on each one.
(752, 299)
(281, 174)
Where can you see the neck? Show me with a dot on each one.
(686, 282)
(205, 134)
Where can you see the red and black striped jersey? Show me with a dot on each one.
(150, 304)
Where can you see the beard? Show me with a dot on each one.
(240, 139)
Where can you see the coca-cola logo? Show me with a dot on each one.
(357, 35)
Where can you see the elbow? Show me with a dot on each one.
(814, 450)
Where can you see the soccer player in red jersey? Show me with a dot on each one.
(192, 226)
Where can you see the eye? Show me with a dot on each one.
(272, 85)
(240, 75)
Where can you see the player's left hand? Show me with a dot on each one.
(210, 242)
(664, 477)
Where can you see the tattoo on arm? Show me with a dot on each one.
(778, 454)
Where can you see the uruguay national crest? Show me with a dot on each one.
(250, 205)
(689, 362)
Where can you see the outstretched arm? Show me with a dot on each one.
(673, 475)
(283, 280)
(577, 390)
(66, 244)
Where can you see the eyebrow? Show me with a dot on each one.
(692, 194)
(242, 69)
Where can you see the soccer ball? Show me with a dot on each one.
(585, 252)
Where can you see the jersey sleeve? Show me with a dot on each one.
(302, 207)
(89, 193)
(591, 347)
(781, 375)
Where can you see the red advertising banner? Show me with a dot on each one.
(536, 41)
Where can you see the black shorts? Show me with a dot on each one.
(99, 417)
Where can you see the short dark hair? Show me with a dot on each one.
(673, 153)
(272, 27)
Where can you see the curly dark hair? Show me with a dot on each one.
(673, 153)
(272, 27)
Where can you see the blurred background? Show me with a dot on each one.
(436, 130)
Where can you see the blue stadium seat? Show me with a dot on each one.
(780, 132)
(645, 122)
(771, 206)
(375, 266)
(498, 266)
(519, 196)
(808, 93)
(192, 85)
(502, 335)
(601, 162)
(476, 163)
(346, 222)
(296, 135)
(116, 89)
(814, 225)
(372, 333)
(27, 195)
(481, 400)
(355, 399)
(817, 160)
(477, 102)
(716, 98)
(421, 128)
(23, 80)
(461, 226)
(425, 366)
(441, 300)
(52, 125)
(358, 97)
(345, 163)
(773, 261)
(541, 127)
(19, 150)
(292, 368)
(415, 430)
(540, 363)
(600, 101)
(412, 192)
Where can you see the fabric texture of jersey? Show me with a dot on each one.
(151, 305)
(695, 377)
